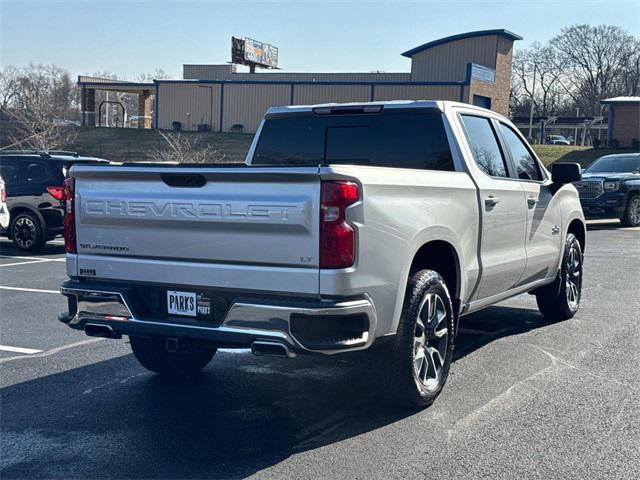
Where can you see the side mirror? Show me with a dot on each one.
(563, 173)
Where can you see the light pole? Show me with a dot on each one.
(575, 139)
(533, 90)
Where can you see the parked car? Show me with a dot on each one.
(33, 183)
(610, 188)
(351, 227)
(557, 140)
(4, 211)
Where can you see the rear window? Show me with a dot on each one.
(401, 139)
(34, 172)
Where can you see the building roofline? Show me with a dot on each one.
(310, 82)
(460, 36)
(620, 100)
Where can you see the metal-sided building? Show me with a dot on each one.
(473, 67)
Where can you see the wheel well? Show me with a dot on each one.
(441, 257)
(577, 228)
(17, 210)
(20, 209)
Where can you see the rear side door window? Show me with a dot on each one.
(484, 146)
(526, 165)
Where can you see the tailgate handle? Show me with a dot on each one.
(184, 180)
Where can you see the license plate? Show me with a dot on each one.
(181, 303)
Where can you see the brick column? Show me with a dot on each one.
(88, 107)
(144, 109)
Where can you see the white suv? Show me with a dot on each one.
(4, 211)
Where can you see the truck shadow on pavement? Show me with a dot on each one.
(241, 415)
(7, 248)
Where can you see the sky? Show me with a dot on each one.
(135, 36)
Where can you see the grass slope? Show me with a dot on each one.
(569, 153)
(133, 145)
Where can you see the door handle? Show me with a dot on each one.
(531, 201)
(491, 201)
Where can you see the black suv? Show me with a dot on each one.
(610, 188)
(35, 194)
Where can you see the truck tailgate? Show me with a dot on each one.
(231, 227)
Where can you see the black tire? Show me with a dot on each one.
(631, 217)
(414, 376)
(152, 354)
(561, 300)
(27, 232)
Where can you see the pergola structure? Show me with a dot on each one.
(89, 85)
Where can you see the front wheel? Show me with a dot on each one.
(417, 362)
(560, 300)
(631, 217)
(188, 359)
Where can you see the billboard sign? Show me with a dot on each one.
(248, 51)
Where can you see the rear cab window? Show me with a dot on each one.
(400, 138)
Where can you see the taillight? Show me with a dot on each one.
(337, 237)
(56, 192)
(70, 216)
(3, 194)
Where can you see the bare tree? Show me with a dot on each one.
(157, 74)
(186, 148)
(40, 101)
(9, 85)
(595, 59)
(543, 60)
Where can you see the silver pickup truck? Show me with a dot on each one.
(350, 227)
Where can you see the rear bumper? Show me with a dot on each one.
(325, 327)
(608, 205)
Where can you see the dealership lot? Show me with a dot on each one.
(525, 399)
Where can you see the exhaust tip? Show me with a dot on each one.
(271, 349)
(102, 331)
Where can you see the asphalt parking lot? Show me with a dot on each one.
(525, 398)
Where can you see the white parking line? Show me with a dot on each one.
(53, 350)
(37, 290)
(22, 263)
(31, 261)
(28, 351)
(18, 257)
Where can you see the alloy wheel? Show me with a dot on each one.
(24, 232)
(634, 211)
(430, 341)
(573, 278)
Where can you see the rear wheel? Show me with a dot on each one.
(27, 232)
(188, 358)
(631, 217)
(560, 300)
(417, 362)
